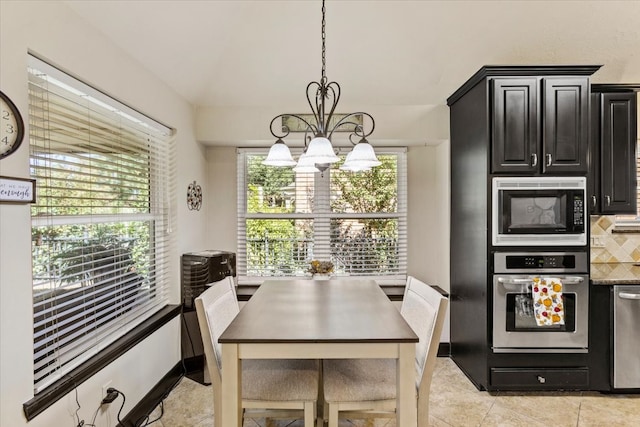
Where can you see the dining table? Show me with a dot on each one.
(319, 319)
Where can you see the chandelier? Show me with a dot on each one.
(319, 154)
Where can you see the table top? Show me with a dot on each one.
(311, 311)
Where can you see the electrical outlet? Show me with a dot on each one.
(105, 387)
(597, 242)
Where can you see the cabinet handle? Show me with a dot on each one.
(628, 295)
(534, 159)
(541, 379)
(548, 156)
(608, 199)
(594, 201)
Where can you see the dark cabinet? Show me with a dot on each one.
(505, 120)
(540, 125)
(613, 186)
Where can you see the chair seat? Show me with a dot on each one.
(357, 380)
(280, 380)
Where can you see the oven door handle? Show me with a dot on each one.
(568, 280)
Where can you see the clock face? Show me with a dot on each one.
(11, 126)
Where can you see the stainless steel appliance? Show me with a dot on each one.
(514, 327)
(539, 211)
(626, 338)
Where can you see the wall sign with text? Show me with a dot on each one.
(17, 190)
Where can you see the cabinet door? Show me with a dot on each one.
(618, 153)
(593, 177)
(515, 125)
(566, 125)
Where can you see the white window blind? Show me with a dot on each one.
(101, 224)
(356, 220)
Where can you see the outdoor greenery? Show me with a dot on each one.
(358, 246)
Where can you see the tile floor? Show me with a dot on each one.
(454, 401)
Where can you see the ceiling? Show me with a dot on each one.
(390, 53)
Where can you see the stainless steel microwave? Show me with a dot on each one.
(539, 211)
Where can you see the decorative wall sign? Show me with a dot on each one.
(17, 190)
(194, 196)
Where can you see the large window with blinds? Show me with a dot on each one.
(355, 220)
(101, 224)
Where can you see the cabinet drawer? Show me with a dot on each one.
(539, 379)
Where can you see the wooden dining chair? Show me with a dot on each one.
(366, 388)
(270, 388)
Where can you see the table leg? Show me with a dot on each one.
(406, 409)
(231, 386)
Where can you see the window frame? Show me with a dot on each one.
(158, 217)
(322, 184)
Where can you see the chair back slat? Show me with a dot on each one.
(424, 308)
(216, 308)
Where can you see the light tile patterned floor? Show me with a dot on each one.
(454, 401)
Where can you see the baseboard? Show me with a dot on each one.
(158, 393)
(444, 349)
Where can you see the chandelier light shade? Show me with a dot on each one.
(319, 153)
(320, 150)
(279, 155)
(305, 164)
(362, 157)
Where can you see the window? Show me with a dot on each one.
(101, 224)
(356, 220)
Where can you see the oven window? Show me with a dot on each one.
(520, 317)
(537, 212)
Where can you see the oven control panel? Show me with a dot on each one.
(540, 261)
(545, 262)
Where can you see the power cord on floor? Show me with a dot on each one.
(145, 421)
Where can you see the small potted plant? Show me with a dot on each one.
(320, 270)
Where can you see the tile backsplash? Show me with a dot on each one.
(609, 247)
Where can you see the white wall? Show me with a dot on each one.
(51, 30)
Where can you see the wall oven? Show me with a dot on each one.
(539, 211)
(517, 300)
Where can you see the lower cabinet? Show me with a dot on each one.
(540, 378)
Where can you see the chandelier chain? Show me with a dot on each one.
(324, 35)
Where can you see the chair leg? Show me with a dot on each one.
(309, 413)
(333, 415)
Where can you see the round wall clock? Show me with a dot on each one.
(11, 126)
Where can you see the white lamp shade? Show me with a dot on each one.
(361, 157)
(279, 155)
(351, 167)
(320, 150)
(306, 165)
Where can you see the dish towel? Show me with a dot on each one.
(548, 306)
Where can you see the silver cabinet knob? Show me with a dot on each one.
(549, 160)
(608, 199)
(541, 379)
(534, 159)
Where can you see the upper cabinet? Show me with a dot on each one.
(612, 184)
(540, 124)
(525, 120)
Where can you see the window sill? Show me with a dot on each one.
(66, 384)
(394, 292)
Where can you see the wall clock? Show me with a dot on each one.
(11, 126)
